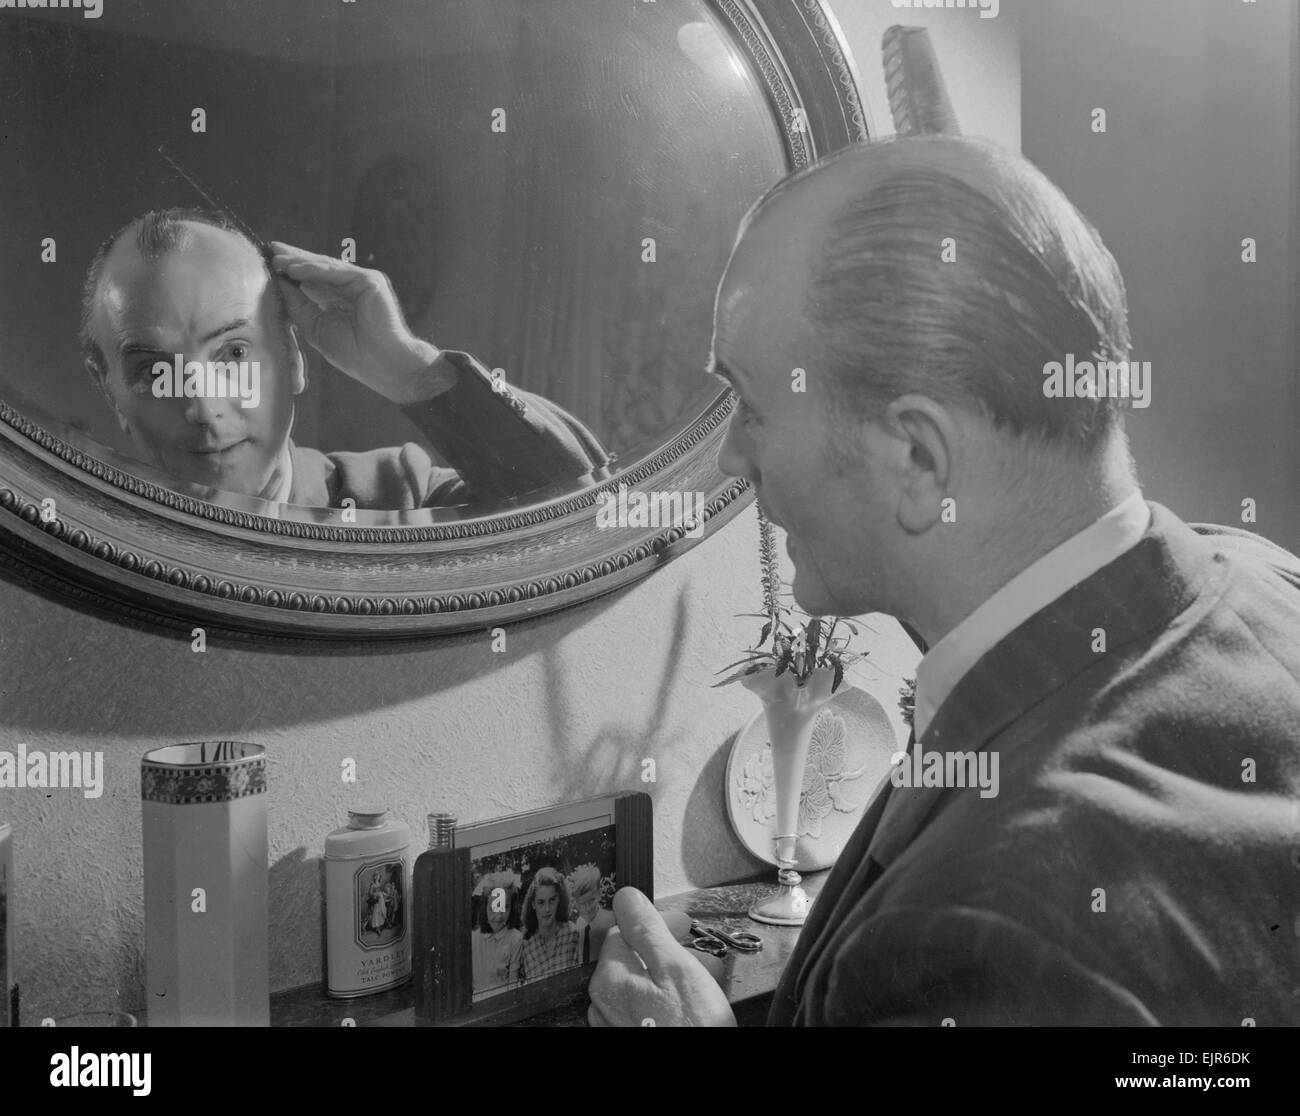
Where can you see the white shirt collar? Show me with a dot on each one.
(1030, 591)
(282, 480)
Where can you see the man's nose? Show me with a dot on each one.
(202, 411)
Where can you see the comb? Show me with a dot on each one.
(212, 203)
(918, 98)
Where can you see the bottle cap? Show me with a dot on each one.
(366, 818)
(442, 828)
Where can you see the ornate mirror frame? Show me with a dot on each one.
(110, 539)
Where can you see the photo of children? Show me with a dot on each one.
(540, 909)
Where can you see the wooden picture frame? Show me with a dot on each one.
(442, 906)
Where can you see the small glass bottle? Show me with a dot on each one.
(442, 830)
(367, 893)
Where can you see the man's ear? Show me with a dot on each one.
(297, 365)
(930, 445)
(99, 378)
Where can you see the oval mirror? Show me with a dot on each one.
(372, 320)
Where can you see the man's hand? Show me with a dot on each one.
(671, 988)
(351, 316)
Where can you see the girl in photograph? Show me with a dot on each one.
(498, 942)
(551, 942)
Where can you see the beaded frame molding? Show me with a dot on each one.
(150, 556)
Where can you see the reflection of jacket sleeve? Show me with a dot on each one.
(500, 445)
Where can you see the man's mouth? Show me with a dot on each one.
(219, 452)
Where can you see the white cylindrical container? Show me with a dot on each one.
(8, 981)
(367, 892)
(206, 889)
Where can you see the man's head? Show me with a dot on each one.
(584, 889)
(920, 285)
(181, 281)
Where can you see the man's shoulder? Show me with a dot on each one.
(390, 478)
(1138, 846)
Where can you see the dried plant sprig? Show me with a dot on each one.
(771, 574)
(799, 647)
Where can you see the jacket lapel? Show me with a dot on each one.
(1143, 589)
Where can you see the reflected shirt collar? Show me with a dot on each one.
(1030, 591)
(281, 483)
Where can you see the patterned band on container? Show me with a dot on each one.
(224, 771)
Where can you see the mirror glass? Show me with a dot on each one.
(551, 188)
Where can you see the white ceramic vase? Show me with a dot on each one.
(791, 712)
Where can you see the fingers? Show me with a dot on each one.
(619, 980)
(618, 955)
(295, 300)
(310, 267)
(642, 928)
(679, 924)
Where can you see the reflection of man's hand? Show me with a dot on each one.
(351, 316)
(671, 988)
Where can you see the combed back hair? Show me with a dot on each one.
(157, 233)
(585, 880)
(1031, 282)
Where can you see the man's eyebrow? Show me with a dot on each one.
(238, 323)
(132, 345)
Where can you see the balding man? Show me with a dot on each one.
(177, 287)
(1138, 678)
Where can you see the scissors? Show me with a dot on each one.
(708, 939)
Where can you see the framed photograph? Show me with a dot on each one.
(509, 922)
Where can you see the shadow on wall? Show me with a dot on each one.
(613, 758)
(618, 757)
(700, 844)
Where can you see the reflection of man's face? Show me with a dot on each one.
(545, 902)
(209, 300)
